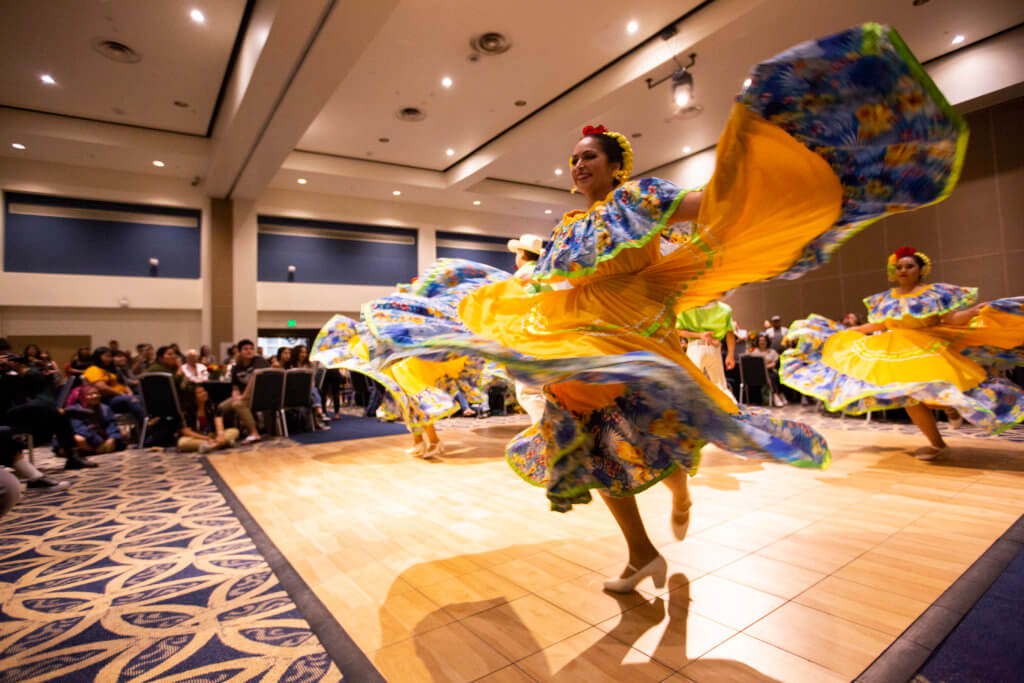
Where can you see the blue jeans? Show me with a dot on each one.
(128, 403)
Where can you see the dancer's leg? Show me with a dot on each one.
(678, 482)
(627, 516)
(925, 421)
(431, 434)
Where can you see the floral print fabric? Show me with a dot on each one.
(862, 101)
(936, 299)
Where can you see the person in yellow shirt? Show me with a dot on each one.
(103, 376)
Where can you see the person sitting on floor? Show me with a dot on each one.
(96, 430)
(203, 430)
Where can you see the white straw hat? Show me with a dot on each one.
(531, 243)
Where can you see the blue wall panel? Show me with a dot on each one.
(504, 260)
(82, 245)
(333, 259)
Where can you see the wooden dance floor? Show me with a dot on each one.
(457, 570)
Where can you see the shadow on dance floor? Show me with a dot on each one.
(623, 651)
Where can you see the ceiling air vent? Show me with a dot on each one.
(491, 43)
(117, 51)
(410, 114)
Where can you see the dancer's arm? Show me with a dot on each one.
(962, 317)
(730, 345)
(688, 208)
(868, 328)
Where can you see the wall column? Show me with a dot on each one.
(243, 268)
(221, 275)
(426, 249)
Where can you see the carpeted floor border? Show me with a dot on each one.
(907, 654)
(348, 657)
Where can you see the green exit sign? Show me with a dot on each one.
(291, 323)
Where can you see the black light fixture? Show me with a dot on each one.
(682, 82)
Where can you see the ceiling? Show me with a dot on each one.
(427, 40)
(181, 60)
(316, 85)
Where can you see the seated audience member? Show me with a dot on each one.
(144, 358)
(80, 362)
(49, 368)
(31, 355)
(771, 363)
(195, 371)
(240, 375)
(96, 430)
(10, 492)
(124, 372)
(103, 376)
(851, 320)
(203, 430)
(282, 359)
(232, 355)
(113, 345)
(776, 332)
(11, 455)
(28, 406)
(206, 356)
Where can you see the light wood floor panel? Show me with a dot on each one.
(456, 570)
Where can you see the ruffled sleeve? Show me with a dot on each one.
(938, 299)
(630, 217)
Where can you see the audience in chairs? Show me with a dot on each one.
(193, 369)
(240, 375)
(771, 363)
(80, 362)
(103, 376)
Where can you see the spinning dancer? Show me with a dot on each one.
(827, 138)
(933, 337)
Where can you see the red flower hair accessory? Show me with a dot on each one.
(903, 252)
(594, 130)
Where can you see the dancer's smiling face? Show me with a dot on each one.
(908, 272)
(592, 172)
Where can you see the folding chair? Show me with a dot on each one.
(268, 395)
(159, 399)
(298, 393)
(753, 375)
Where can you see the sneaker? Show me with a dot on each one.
(252, 438)
(48, 484)
(205, 447)
(77, 462)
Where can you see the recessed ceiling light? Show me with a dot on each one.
(302, 181)
(450, 152)
(48, 79)
(396, 192)
(446, 82)
(632, 27)
(686, 150)
(197, 16)
(957, 39)
(158, 163)
(558, 171)
(746, 83)
(547, 210)
(17, 145)
(476, 202)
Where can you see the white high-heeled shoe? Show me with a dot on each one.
(680, 522)
(657, 569)
(434, 450)
(416, 450)
(931, 452)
